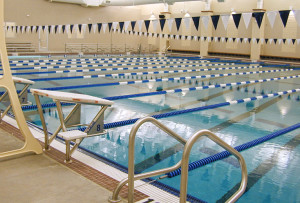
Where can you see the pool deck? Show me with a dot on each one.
(46, 178)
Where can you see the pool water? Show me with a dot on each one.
(273, 166)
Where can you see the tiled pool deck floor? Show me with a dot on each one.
(46, 178)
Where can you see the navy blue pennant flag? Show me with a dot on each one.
(258, 16)
(205, 38)
(121, 25)
(249, 40)
(284, 40)
(180, 36)
(199, 38)
(55, 29)
(90, 27)
(43, 27)
(178, 23)
(31, 28)
(219, 39)
(196, 22)
(215, 20)
(99, 25)
(275, 40)
(186, 37)
(49, 29)
(63, 28)
(257, 40)
(71, 28)
(236, 19)
(147, 23)
(169, 36)
(284, 16)
(233, 39)
(241, 39)
(79, 27)
(293, 40)
(109, 27)
(266, 40)
(37, 29)
(226, 39)
(133, 24)
(162, 23)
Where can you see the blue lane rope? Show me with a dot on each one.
(49, 105)
(134, 73)
(155, 80)
(225, 154)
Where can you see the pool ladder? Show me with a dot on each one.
(188, 144)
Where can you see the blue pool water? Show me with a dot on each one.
(273, 166)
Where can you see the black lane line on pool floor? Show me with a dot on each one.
(140, 167)
(263, 168)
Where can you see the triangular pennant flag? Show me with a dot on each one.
(133, 25)
(43, 27)
(233, 39)
(226, 39)
(90, 27)
(154, 23)
(219, 39)
(99, 25)
(215, 39)
(229, 39)
(170, 23)
(147, 23)
(247, 18)
(272, 16)
(222, 39)
(266, 40)
(114, 26)
(279, 41)
(275, 41)
(283, 41)
(178, 23)
(245, 40)
(259, 17)
(215, 20)
(94, 27)
(199, 38)
(225, 20)
(241, 39)
(55, 29)
(196, 22)
(79, 27)
(195, 38)
(104, 26)
(160, 36)
(162, 23)
(31, 28)
(71, 28)
(23, 29)
(237, 19)
(187, 23)
(27, 30)
(109, 26)
(249, 40)
(84, 28)
(205, 20)
(205, 38)
(63, 28)
(298, 41)
(121, 24)
(59, 29)
(293, 40)
(140, 23)
(257, 40)
(177, 36)
(52, 29)
(68, 29)
(284, 16)
(126, 25)
(270, 41)
(288, 41)
(297, 16)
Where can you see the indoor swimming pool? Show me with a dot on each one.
(238, 101)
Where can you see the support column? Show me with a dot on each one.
(205, 33)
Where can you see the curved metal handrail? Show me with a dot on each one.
(131, 177)
(185, 161)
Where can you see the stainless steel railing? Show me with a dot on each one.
(183, 163)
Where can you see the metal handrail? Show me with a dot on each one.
(131, 177)
(185, 161)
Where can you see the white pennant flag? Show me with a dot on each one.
(297, 16)
(195, 38)
(23, 29)
(288, 41)
(216, 39)
(140, 23)
(154, 23)
(202, 39)
(230, 39)
(245, 40)
(27, 29)
(225, 20)
(94, 27)
(114, 26)
(205, 20)
(270, 41)
(247, 18)
(177, 36)
(40, 28)
(59, 29)
(126, 25)
(136, 33)
(33, 28)
(253, 40)
(182, 37)
(145, 34)
(262, 40)
(222, 39)
(272, 16)
(172, 37)
(160, 35)
(104, 26)
(187, 22)
(165, 36)
(52, 29)
(170, 23)
(238, 40)
(67, 29)
(279, 41)
(83, 28)
(298, 41)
